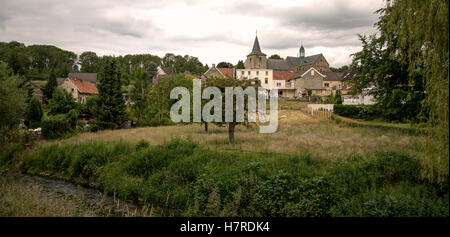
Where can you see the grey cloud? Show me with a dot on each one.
(341, 14)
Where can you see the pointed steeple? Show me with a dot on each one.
(256, 49)
(302, 51)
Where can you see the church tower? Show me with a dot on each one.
(256, 59)
(302, 52)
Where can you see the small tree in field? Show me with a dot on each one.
(222, 83)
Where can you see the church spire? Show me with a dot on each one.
(302, 51)
(256, 49)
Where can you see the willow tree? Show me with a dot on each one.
(413, 42)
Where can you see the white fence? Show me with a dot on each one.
(323, 107)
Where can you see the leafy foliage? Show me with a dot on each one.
(191, 180)
(34, 112)
(404, 62)
(61, 102)
(110, 109)
(13, 97)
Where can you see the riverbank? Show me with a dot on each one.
(192, 180)
(33, 196)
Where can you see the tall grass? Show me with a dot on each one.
(181, 177)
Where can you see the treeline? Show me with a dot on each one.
(36, 62)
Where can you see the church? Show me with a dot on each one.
(293, 76)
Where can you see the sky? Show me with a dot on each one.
(213, 31)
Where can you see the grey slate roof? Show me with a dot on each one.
(333, 76)
(256, 49)
(90, 77)
(297, 61)
(278, 64)
(339, 76)
(298, 74)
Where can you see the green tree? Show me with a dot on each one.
(61, 102)
(13, 97)
(409, 56)
(275, 56)
(152, 70)
(340, 69)
(110, 110)
(89, 62)
(222, 83)
(224, 65)
(240, 65)
(50, 86)
(34, 112)
(338, 97)
(331, 98)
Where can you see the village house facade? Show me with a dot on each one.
(79, 89)
(80, 85)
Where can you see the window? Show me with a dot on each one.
(326, 84)
(339, 86)
(248, 72)
(278, 83)
(257, 73)
(266, 80)
(267, 73)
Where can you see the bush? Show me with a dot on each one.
(62, 102)
(56, 127)
(366, 112)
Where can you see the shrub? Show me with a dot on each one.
(62, 102)
(56, 127)
(366, 112)
(187, 178)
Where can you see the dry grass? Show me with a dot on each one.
(297, 132)
(19, 200)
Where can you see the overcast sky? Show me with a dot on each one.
(213, 31)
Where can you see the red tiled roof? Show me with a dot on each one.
(283, 75)
(227, 72)
(84, 86)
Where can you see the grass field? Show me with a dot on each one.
(298, 132)
(312, 166)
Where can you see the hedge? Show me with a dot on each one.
(366, 112)
(56, 127)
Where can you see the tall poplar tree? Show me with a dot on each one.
(110, 109)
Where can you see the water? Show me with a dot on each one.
(104, 204)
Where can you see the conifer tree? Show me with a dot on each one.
(50, 86)
(110, 109)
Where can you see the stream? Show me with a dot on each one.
(102, 203)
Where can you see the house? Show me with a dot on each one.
(308, 80)
(160, 73)
(83, 76)
(220, 72)
(79, 89)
